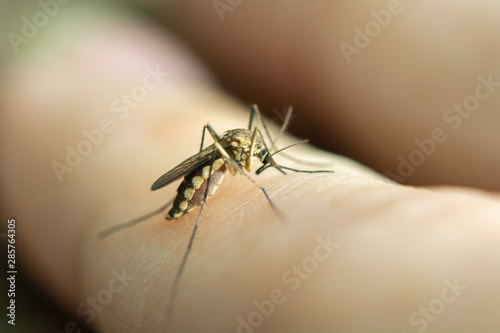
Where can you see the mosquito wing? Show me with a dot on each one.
(195, 161)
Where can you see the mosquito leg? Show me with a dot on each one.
(212, 132)
(202, 138)
(255, 110)
(283, 128)
(175, 286)
(121, 226)
(248, 167)
(278, 213)
(285, 124)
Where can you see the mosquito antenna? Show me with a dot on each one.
(271, 160)
(177, 280)
(255, 109)
(121, 226)
(279, 167)
(283, 128)
(299, 161)
(290, 146)
(265, 166)
(296, 160)
(305, 171)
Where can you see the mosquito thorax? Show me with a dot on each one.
(240, 141)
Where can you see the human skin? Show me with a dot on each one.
(397, 245)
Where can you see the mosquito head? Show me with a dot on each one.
(263, 156)
(260, 151)
(267, 161)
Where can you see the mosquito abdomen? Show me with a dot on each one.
(191, 191)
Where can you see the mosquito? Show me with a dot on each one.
(203, 173)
